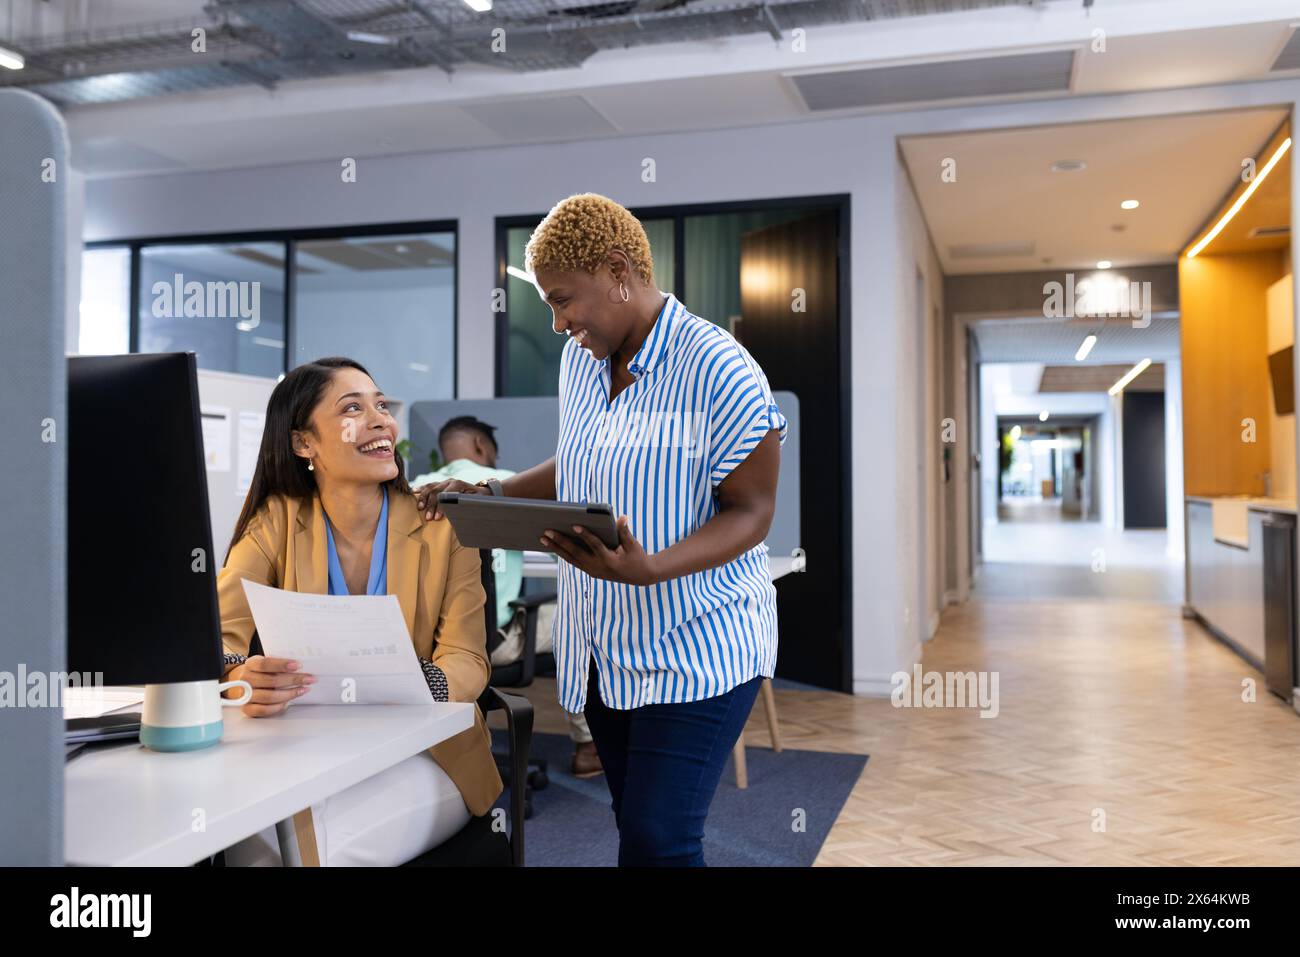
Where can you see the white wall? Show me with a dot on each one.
(919, 279)
(1111, 450)
(419, 303)
(1174, 511)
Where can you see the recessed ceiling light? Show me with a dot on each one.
(1042, 416)
(11, 59)
(1129, 204)
(1068, 166)
(1103, 264)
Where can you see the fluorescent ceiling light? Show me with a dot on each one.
(1084, 349)
(358, 36)
(1129, 204)
(11, 59)
(1241, 200)
(1103, 264)
(481, 6)
(1042, 416)
(1129, 376)
(520, 274)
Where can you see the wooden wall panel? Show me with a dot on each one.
(1225, 370)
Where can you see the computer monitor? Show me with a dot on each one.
(142, 598)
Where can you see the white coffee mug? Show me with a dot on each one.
(186, 715)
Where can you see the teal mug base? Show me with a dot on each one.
(191, 738)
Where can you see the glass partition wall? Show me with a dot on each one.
(263, 303)
(224, 302)
(387, 301)
(696, 257)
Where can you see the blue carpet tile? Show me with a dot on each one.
(573, 824)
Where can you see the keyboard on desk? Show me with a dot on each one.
(104, 727)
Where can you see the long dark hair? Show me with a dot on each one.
(279, 471)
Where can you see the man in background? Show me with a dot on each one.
(469, 447)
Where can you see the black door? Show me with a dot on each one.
(1144, 459)
(803, 352)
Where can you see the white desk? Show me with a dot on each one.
(127, 805)
(536, 567)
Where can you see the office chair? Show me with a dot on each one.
(476, 843)
(518, 674)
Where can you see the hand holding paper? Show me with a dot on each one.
(357, 646)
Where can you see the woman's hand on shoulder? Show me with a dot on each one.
(275, 681)
(426, 496)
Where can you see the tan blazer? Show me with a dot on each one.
(436, 581)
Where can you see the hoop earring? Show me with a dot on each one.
(622, 291)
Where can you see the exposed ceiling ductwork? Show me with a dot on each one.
(265, 42)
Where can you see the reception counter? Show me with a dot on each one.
(1225, 568)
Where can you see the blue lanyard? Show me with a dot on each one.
(377, 583)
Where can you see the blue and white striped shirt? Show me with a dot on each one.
(697, 406)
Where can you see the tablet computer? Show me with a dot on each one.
(496, 521)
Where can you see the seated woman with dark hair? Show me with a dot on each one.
(329, 512)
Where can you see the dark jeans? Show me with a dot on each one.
(663, 763)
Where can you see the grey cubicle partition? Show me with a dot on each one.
(527, 429)
(33, 176)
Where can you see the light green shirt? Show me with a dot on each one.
(507, 565)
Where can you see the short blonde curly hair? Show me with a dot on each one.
(579, 232)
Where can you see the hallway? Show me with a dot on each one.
(1120, 706)
(1071, 559)
(1115, 705)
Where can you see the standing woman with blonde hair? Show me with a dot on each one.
(665, 640)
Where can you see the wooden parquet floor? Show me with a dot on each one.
(1121, 738)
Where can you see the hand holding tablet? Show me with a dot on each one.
(491, 521)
